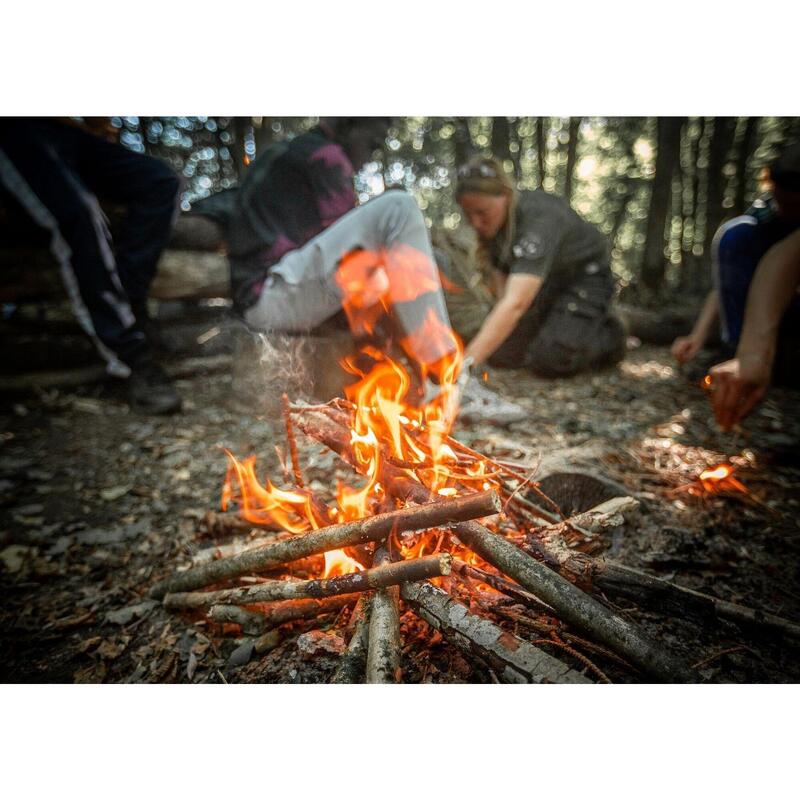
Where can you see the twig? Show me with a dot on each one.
(287, 418)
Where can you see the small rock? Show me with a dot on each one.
(319, 643)
(114, 493)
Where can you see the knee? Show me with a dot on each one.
(397, 206)
(734, 262)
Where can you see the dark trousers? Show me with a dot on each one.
(566, 332)
(56, 172)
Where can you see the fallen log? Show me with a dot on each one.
(383, 650)
(353, 662)
(515, 660)
(430, 515)
(386, 574)
(568, 601)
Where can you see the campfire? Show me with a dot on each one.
(430, 525)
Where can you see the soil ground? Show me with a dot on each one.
(97, 502)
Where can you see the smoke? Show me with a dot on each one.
(284, 365)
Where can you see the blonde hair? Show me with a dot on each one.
(486, 175)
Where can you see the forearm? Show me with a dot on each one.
(707, 317)
(774, 285)
(496, 328)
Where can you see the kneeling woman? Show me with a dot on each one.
(553, 279)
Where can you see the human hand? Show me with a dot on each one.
(737, 386)
(685, 348)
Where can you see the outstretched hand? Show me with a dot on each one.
(737, 386)
(685, 348)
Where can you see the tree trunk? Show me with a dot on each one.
(745, 152)
(240, 125)
(668, 151)
(501, 138)
(462, 141)
(572, 154)
(541, 147)
(721, 140)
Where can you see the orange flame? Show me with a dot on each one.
(720, 479)
(387, 422)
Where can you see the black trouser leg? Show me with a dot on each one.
(33, 170)
(148, 190)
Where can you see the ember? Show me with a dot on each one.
(720, 479)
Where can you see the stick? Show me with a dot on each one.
(225, 523)
(353, 662)
(514, 659)
(276, 614)
(430, 515)
(660, 594)
(287, 418)
(375, 578)
(569, 602)
(383, 651)
(500, 584)
(252, 622)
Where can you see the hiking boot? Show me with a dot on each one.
(150, 389)
(481, 404)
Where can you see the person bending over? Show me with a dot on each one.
(551, 274)
(755, 258)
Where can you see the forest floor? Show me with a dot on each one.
(96, 503)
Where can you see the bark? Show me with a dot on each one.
(431, 515)
(501, 138)
(375, 578)
(745, 152)
(572, 155)
(227, 523)
(663, 595)
(721, 140)
(383, 651)
(515, 660)
(252, 622)
(500, 584)
(667, 158)
(462, 141)
(541, 147)
(354, 661)
(570, 603)
(276, 614)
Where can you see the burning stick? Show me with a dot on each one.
(386, 574)
(383, 653)
(515, 659)
(351, 667)
(569, 602)
(430, 515)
